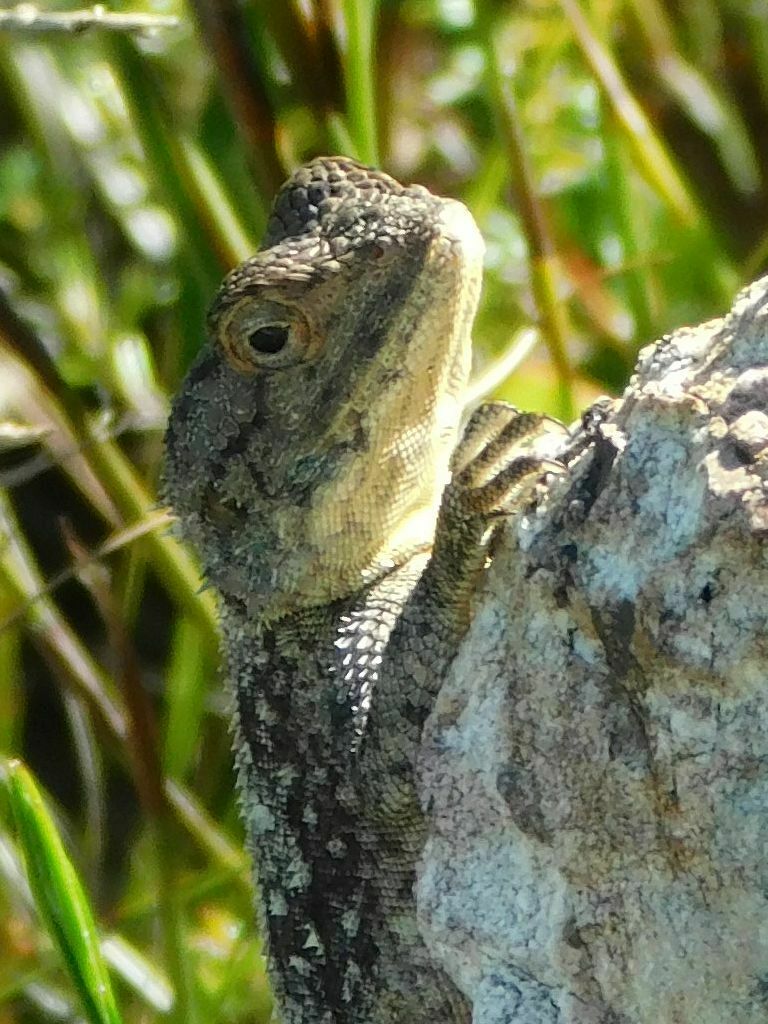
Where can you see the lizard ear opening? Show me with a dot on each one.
(263, 335)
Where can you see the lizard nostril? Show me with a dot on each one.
(222, 513)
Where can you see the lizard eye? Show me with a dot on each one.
(263, 335)
(269, 339)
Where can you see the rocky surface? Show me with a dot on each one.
(596, 767)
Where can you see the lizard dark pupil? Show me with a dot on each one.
(269, 339)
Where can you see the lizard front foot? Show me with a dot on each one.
(490, 469)
(494, 472)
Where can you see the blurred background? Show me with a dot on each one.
(615, 155)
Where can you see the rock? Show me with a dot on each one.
(596, 767)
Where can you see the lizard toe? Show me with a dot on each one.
(493, 437)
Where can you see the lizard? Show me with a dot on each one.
(313, 460)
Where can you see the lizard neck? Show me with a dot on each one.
(305, 679)
(301, 689)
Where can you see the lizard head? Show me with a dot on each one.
(309, 445)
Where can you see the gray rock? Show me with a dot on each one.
(596, 767)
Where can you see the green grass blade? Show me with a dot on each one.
(165, 163)
(188, 672)
(59, 896)
(139, 972)
(232, 240)
(700, 94)
(652, 158)
(359, 64)
(544, 262)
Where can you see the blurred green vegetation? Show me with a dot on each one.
(615, 155)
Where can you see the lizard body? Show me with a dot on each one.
(308, 460)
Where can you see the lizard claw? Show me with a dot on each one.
(504, 493)
(490, 474)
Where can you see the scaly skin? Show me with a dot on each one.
(307, 455)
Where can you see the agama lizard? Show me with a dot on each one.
(312, 461)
